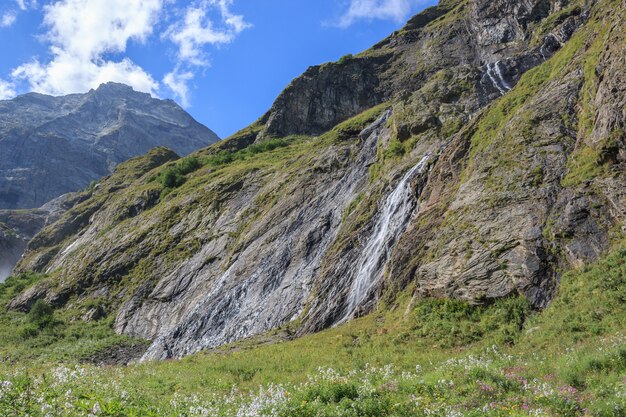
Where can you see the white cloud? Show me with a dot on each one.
(89, 28)
(7, 90)
(397, 10)
(81, 33)
(26, 4)
(69, 74)
(88, 41)
(8, 19)
(198, 30)
(178, 83)
(193, 33)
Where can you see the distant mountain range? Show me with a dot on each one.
(50, 146)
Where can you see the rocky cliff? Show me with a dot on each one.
(51, 146)
(477, 153)
(18, 227)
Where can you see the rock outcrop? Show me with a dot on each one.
(477, 153)
(18, 227)
(50, 146)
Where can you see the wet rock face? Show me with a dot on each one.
(50, 146)
(474, 181)
(270, 280)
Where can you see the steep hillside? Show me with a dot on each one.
(476, 154)
(50, 146)
(18, 227)
(415, 358)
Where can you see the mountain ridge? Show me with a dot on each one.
(493, 163)
(52, 146)
(55, 145)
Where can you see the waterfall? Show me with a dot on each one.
(497, 79)
(391, 223)
(506, 85)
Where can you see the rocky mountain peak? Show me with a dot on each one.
(53, 145)
(115, 88)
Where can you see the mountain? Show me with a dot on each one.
(18, 227)
(476, 154)
(50, 146)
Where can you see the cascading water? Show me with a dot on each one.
(497, 79)
(392, 221)
(506, 85)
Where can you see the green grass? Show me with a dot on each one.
(413, 358)
(353, 126)
(43, 334)
(585, 163)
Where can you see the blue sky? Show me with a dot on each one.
(225, 61)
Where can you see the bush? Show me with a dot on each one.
(29, 331)
(332, 392)
(225, 157)
(171, 179)
(188, 165)
(457, 323)
(265, 146)
(396, 148)
(175, 176)
(222, 158)
(41, 314)
(345, 59)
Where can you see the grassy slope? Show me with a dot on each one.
(446, 357)
(443, 356)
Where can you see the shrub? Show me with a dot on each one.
(29, 331)
(171, 179)
(332, 392)
(396, 148)
(41, 314)
(457, 323)
(225, 157)
(188, 165)
(175, 175)
(345, 59)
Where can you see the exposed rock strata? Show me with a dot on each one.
(18, 227)
(50, 146)
(520, 104)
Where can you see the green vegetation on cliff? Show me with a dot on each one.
(413, 358)
(519, 189)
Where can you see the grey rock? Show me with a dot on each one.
(50, 146)
(262, 245)
(18, 227)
